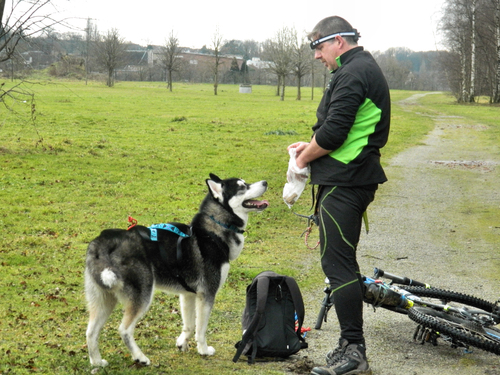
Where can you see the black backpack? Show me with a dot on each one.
(272, 318)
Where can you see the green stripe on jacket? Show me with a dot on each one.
(367, 118)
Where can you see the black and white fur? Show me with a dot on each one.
(122, 266)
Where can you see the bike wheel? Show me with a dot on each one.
(449, 296)
(462, 332)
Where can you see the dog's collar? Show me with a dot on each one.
(230, 227)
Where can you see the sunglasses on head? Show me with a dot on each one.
(317, 42)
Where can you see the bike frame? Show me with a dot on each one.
(394, 297)
(470, 314)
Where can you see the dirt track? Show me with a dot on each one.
(416, 231)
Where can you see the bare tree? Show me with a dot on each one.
(471, 93)
(279, 51)
(302, 57)
(471, 30)
(317, 68)
(24, 19)
(217, 45)
(91, 36)
(485, 58)
(456, 27)
(496, 85)
(109, 52)
(170, 57)
(396, 71)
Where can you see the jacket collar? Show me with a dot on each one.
(346, 56)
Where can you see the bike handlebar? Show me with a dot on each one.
(398, 279)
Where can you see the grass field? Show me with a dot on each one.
(95, 155)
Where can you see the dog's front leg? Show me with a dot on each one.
(188, 312)
(203, 309)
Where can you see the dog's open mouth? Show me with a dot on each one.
(259, 205)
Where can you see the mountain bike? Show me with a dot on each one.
(459, 319)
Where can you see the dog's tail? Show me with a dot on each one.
(99, 265)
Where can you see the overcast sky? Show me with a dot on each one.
(382, 23)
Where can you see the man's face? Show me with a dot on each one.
(328, 52)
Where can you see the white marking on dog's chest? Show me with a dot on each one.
(224, 271)
(235, 248)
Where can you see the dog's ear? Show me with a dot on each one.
(215, 178)
(215, 187)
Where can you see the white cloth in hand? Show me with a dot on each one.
(296, 180)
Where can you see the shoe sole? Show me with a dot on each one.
(354, 372)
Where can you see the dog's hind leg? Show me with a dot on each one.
(134, 309)
(188, 312)
(100, 306)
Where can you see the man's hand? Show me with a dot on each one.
(307, 152)
(299, 147)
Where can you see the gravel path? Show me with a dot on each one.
(415, 232)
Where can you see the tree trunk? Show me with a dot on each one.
(2, 8)
(109, 82)
(312, 82)
(282, 98)
(496, 88)
(463, 61)
(472, 87)
(299, 97)
(216, 73)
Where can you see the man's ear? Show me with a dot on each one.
(215, 188)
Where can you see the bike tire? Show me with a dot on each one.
(460, 330)
(450, 296)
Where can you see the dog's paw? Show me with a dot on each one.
(183, 346)
(207, 350)
(210, 351)
(101, 363)
(142, 360)
(183, 341)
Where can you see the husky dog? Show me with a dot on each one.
(192, 261)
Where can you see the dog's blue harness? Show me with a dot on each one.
(153, 236)
(172, 228)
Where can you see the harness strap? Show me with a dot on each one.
(153, 236)
(170, 227)
(182, 236)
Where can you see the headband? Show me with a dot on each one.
(314, 43)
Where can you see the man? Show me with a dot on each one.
(344, 157)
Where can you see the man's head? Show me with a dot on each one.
(330, 38)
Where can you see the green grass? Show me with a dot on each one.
(138, 150)
(96, 155)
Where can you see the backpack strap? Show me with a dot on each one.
(298, 302)
(262, 285)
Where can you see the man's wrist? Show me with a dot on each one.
(300, 164)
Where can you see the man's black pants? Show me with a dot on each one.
(341, 213)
